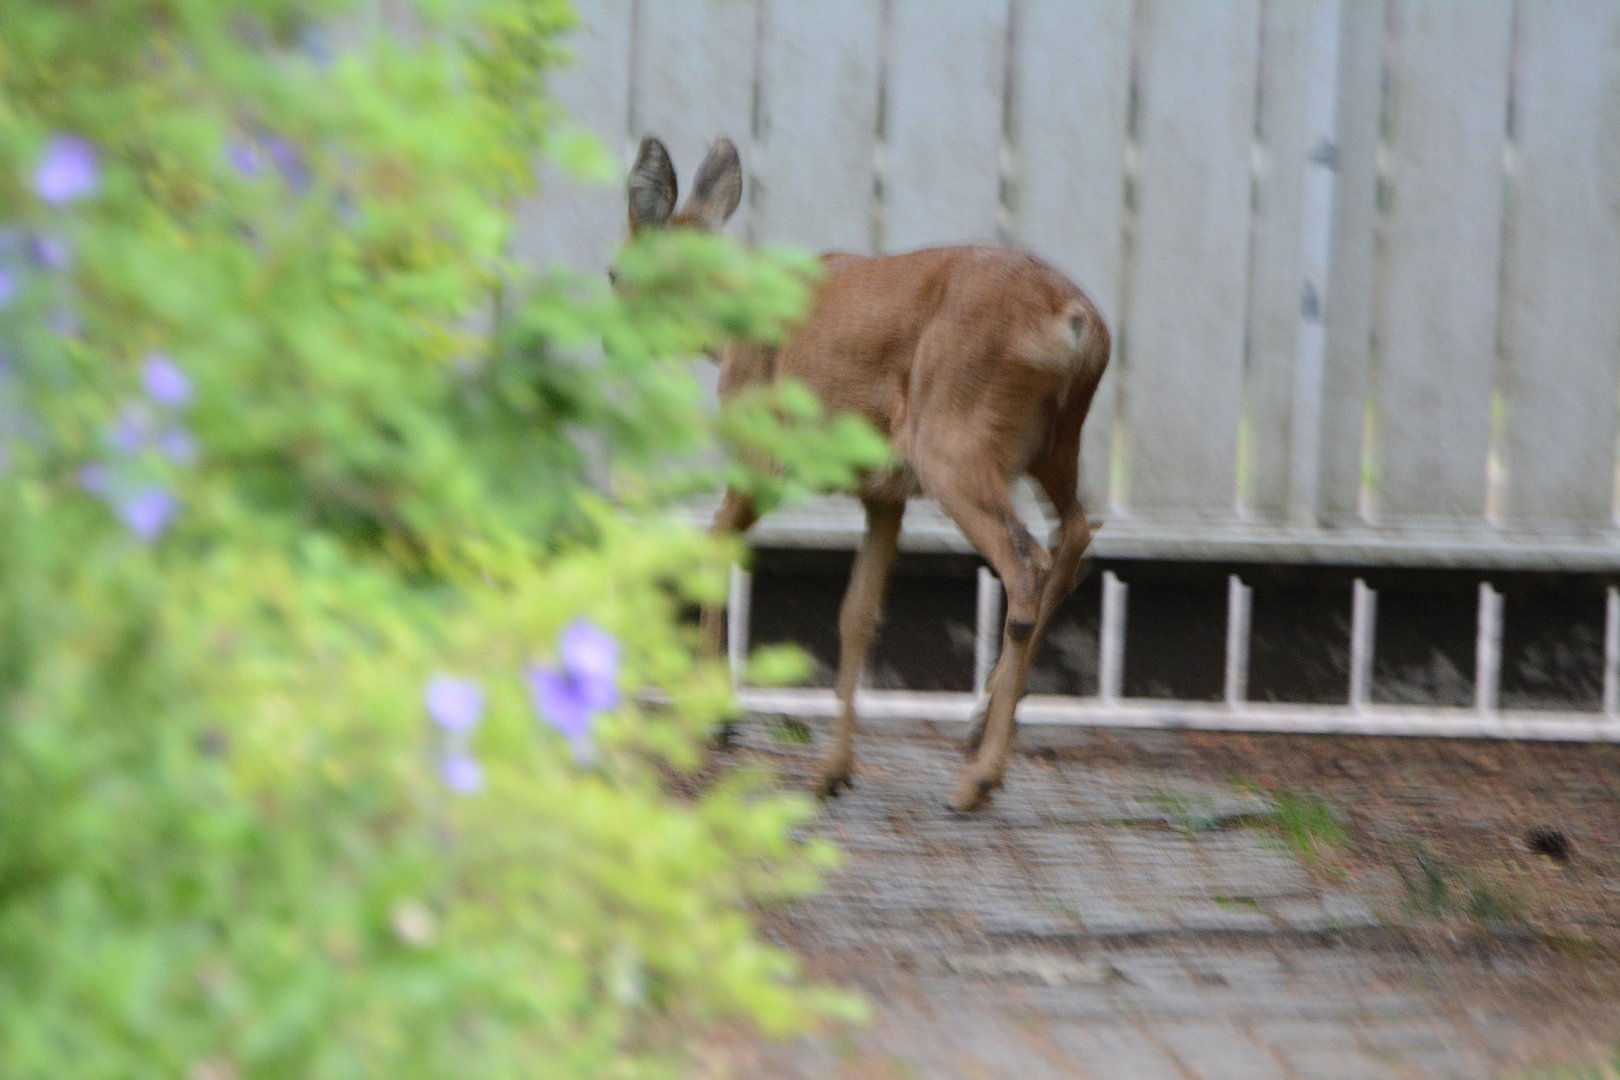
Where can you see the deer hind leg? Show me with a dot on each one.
(857, 625)
(988, 521)
(1069, 568)
(1059, 477)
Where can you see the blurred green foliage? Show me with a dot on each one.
(226, 847)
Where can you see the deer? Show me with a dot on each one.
(978, 364)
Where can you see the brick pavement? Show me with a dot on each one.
(1123, 923)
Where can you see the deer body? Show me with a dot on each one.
(979, 365)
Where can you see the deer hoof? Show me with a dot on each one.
(833, 782)
(973, 793)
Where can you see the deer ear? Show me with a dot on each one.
(717, 187)
(651, 186)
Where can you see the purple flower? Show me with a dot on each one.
(133, 428)
(95, 478)
(165, 382)
(69, 169)
(8, 287)
(455, 704)
(590, 655)
(246, 157)
(51, 252)
(557, 699)
(569, 699)
(178, 446)
(289, 161)
(148, 512)
(461, 773)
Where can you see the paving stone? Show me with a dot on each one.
(1031, 966)
(1493, 1031)
(1319, 1048)
(1071, 850)
(1114, 1052)
(1247, 863)
(1292, 1038)
(1188, 806)
(1074, 1002)
(1110, 923)
(1219, 1051)
(1340, 1065)
(1307, 915)
(1214, 918)
(1421, 1047)
(984, 1042)
(1349, 911)
(1104, 922)
(1238, 972)
(1162, 862)
(1024, 922)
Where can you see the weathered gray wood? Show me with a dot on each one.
(1438, 284)
(569, 223)
(1562, 320)
(947, 72)
(695, 81)
(1071, 91)
(1201, 278)
(1348, 307)
(1299, 42)
(815, 159)
(1184, 370)
(1319, 185)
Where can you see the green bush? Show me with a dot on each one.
(322, 751)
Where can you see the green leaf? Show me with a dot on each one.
(778, 665)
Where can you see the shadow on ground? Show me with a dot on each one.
(1210, 906)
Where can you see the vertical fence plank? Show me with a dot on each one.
(1299, 39)
(816, 157)
(1348, 300)
(1437, 318)
(947, 73)
(568, 223)
(1318, 188)
(1562, 324)
(1071, 80)
(1184, 372)
(695, 82)
(695, 67)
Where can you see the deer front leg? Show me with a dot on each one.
(857, 625)
(735, 516)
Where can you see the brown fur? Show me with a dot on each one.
(979, 365)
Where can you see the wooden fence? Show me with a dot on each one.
(1362, 258)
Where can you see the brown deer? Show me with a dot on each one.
(978, 364)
